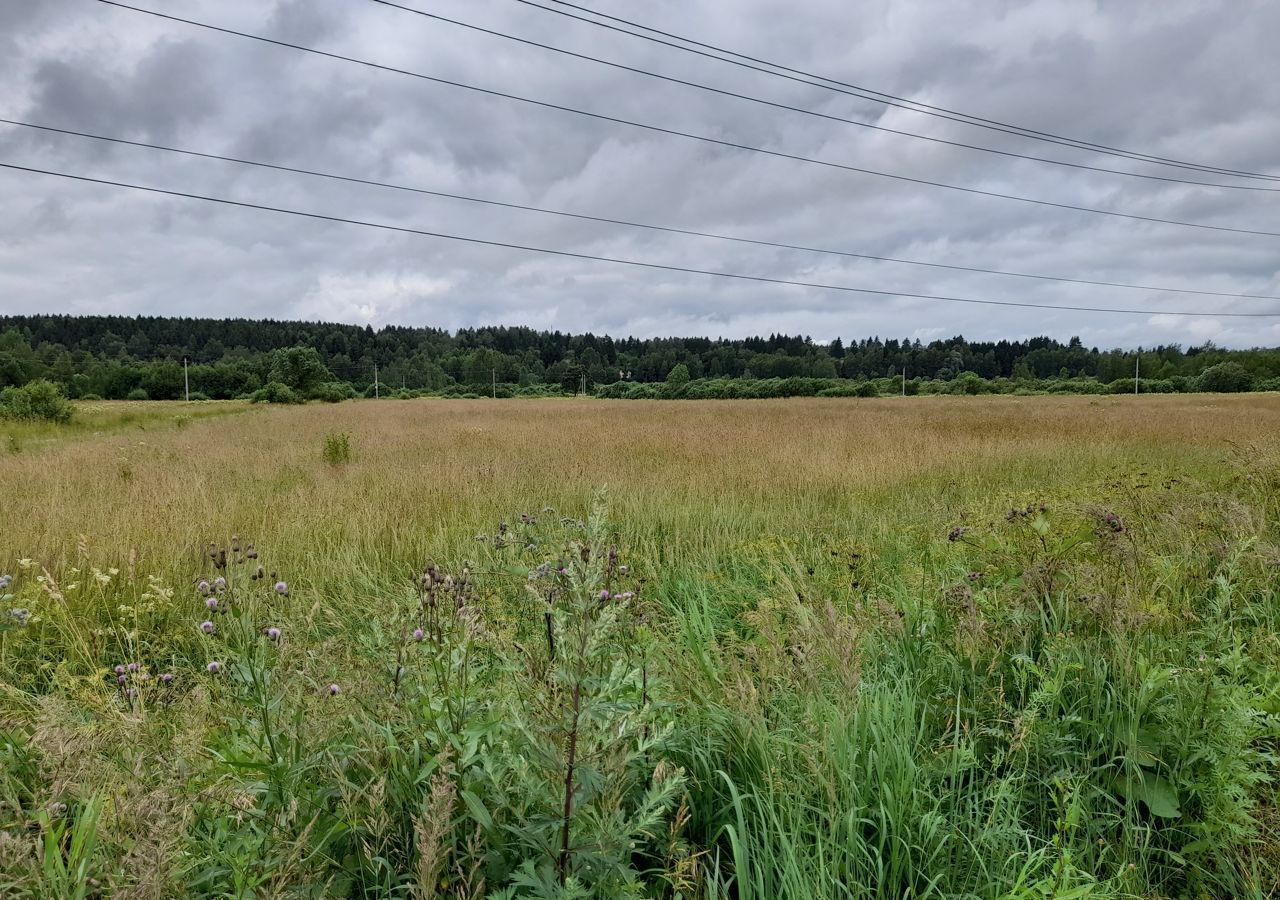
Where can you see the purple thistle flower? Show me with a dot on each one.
(167, 677)
(956, 533)
(203, 586)
(131, 693)
(273, 633)
(219, 584)
(418, 634)
(5, 581)
(119, 670)
(132, 667)
(212, 603)
(214, 667)
(334, 690)
(206, 627)
(604, 595)
(121, 679)
(281, 588)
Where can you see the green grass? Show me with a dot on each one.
(798, 686)
(97, 418)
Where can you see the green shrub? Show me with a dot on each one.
(969, 383)
(275, 392)
(1225, 378)
(332, 392)
(137, 394)
(38, 401)
(337, 448)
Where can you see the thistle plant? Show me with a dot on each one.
(590, 789)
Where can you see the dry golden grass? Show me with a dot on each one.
(431, 473)
(781, 548)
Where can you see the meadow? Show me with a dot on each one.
(990, 646)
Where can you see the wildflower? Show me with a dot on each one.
(20, 615)
(418, 634)
(604, 595)
(219, 584)
(203, 586)
(212, 603)
(167, 677)
(131, 693)
(121, 679)
(5, 581)
(334, 690)
(273, 633)
(956, 533)
(214, 667)
(132, 667)
(119, 670)
(206, 627)
(281, 588)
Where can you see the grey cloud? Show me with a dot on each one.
(1182, 79)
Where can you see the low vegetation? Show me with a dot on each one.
(1004, 648)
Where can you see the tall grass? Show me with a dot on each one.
(794, 684)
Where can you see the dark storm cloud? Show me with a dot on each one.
(1183, 79)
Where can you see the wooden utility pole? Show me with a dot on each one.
(186, 380)
(494, 373)
(1136, 359)
(904, 381)
(375, 381)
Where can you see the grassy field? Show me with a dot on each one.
(98, 418)
(930, 647)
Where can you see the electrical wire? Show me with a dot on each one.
(762, 279)
(623, 222)
(878, 96)
(810, 112)
(696, 137)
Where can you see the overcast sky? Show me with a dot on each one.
(1185, 79)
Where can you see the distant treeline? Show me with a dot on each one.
(115, 357)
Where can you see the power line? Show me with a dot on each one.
(689, 135)
(809, 112)
(620, 261)
(874, 96)
(623, 222)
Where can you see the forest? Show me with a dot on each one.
(116, 357)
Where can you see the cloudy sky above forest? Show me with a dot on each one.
(1189, 80)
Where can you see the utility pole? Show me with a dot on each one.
(494, 374)
(186, 380)
(375, 381)
(904, 381)
(1136, 359)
